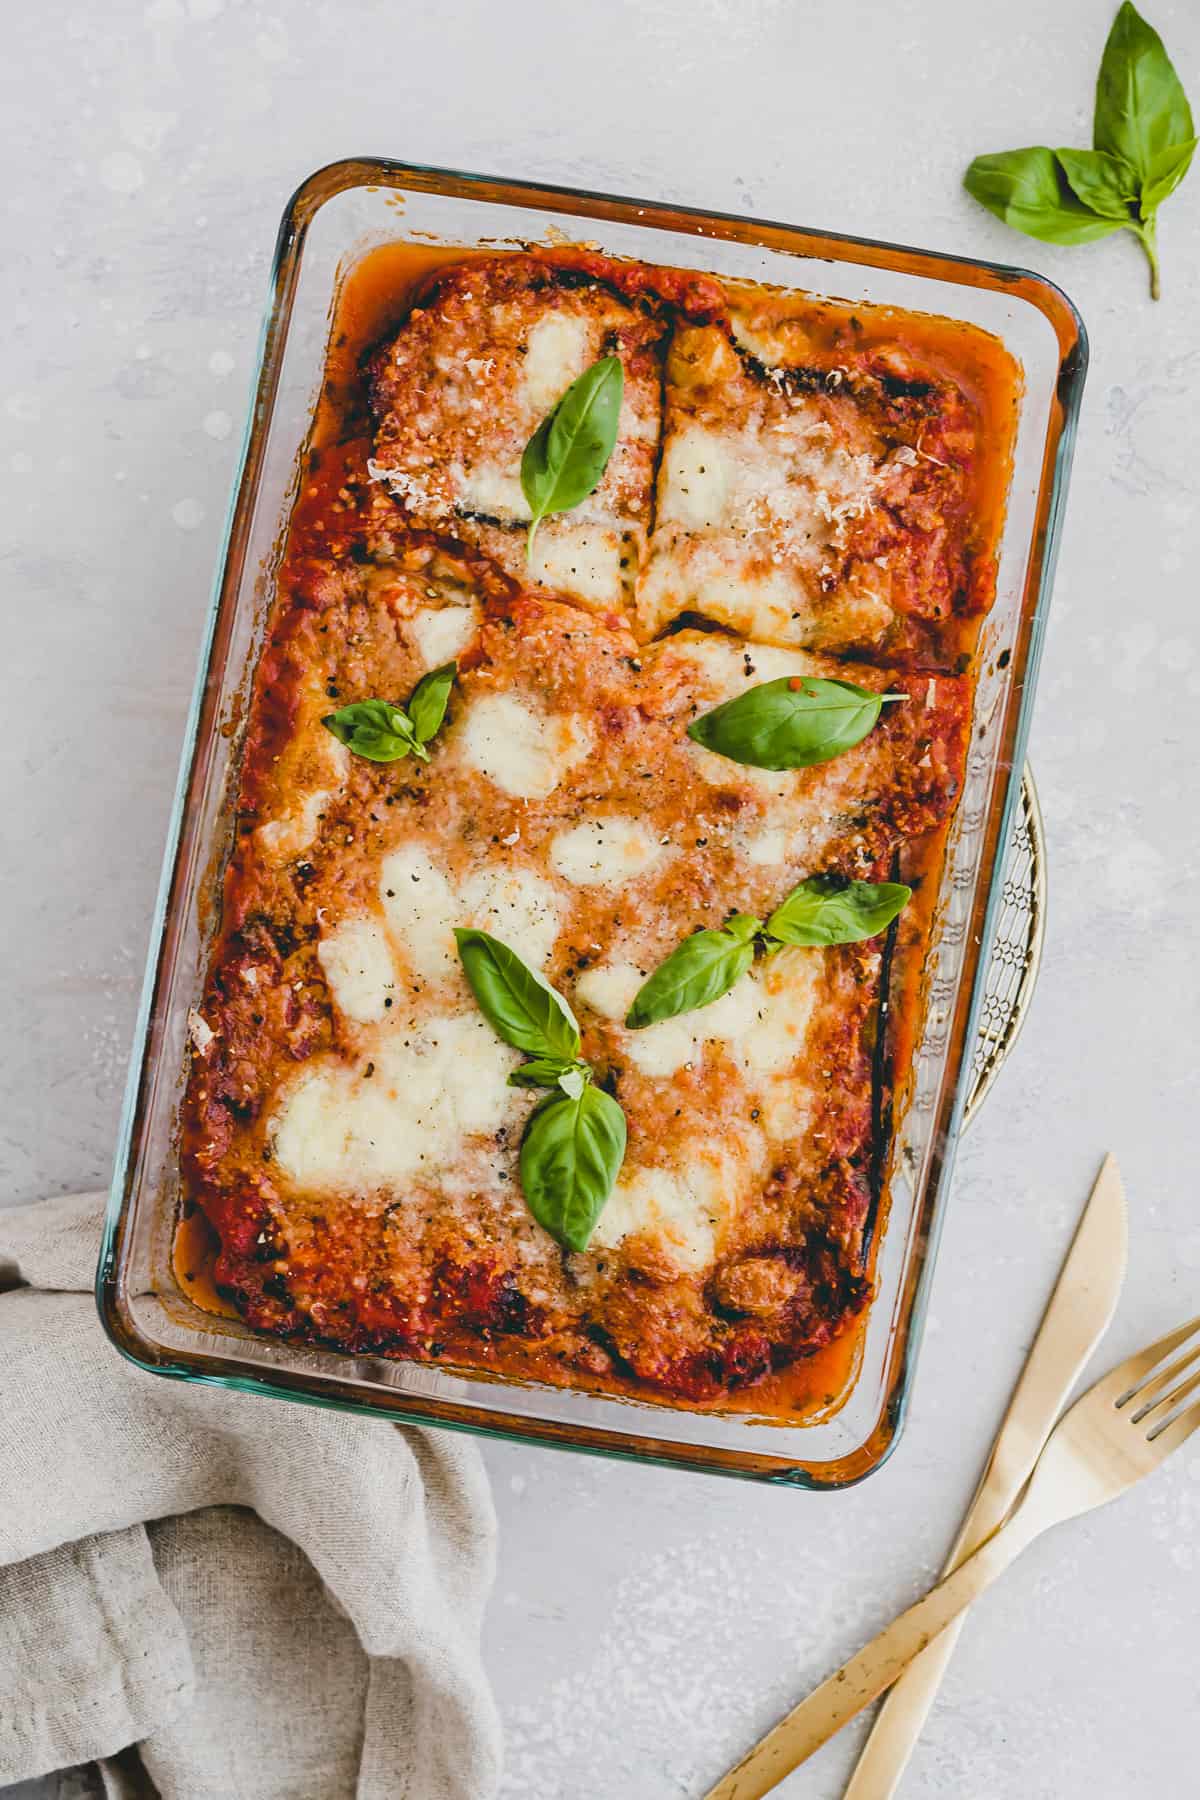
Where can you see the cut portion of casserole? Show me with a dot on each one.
(465, 383)
(349, 1131)
(816, 489)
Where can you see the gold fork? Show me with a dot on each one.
(1119, 1431)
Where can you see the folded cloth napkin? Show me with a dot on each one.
(273, 1602)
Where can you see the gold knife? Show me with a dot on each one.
(1084, 1300)
(1080, 1308)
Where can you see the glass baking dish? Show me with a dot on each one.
(335, 217)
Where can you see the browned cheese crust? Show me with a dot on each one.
(466, 383)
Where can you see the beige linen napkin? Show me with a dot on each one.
(274, 1602)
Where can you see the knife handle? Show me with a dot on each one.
(1076, 1319)
(900, 1720)
(878, 1664)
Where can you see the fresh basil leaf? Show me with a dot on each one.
(1029, 191)
(375, 729)
(518, 1004)
(1167, 170)
(571, 1155)
(791, 723)
(1104, 183)
(567, 455)
(427, 703)
(543, 1071)
(1144, 138)
(697, 972)
(1142, 111)
(827, 909)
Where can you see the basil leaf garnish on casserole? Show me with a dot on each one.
(383, 732)
(791, 723)
(375, 729)
(826, 909)
(574, 1143)
(571, 1155)
(697, 972)
(548, 1072)
(519, 1006)
(567, 455)
(427, 705)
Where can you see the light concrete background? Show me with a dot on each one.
(646, 1625)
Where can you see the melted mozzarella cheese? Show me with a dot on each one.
(763, 1020)
(421, 909)
(780, 601)
(584, 560)
(657, 1049)
(608, 988)
(796, 479)
(516, 905)
(443, 633)
(433, 1086)
(766, 848)
(358, 968)
(724, 668)
(422, 906)
(699, 480)
(494, 491)
(521, 753)
(606, 850)
(667, 1045)
(286, 837)
(681, 1210)
(292, 833)
(751, 525)
(788, 987)
(558, 350)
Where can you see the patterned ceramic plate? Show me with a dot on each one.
(1017, 950)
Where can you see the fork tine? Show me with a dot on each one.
(1169, 1437)
(1150, 1393)
(1137, 1368)
(1165, 1407)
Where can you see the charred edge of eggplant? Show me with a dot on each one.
(882, 1089)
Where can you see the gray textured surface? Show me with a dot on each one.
(646, 1625)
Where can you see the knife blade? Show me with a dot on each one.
(1076, 1318)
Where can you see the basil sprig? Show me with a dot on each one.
(791, 723)
(1143, 139)
(567, 455)
(383, 732)
(574, 1143)
(825, 909)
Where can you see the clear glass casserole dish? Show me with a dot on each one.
(335, 217)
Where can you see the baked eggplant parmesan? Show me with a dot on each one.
(676, 760)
